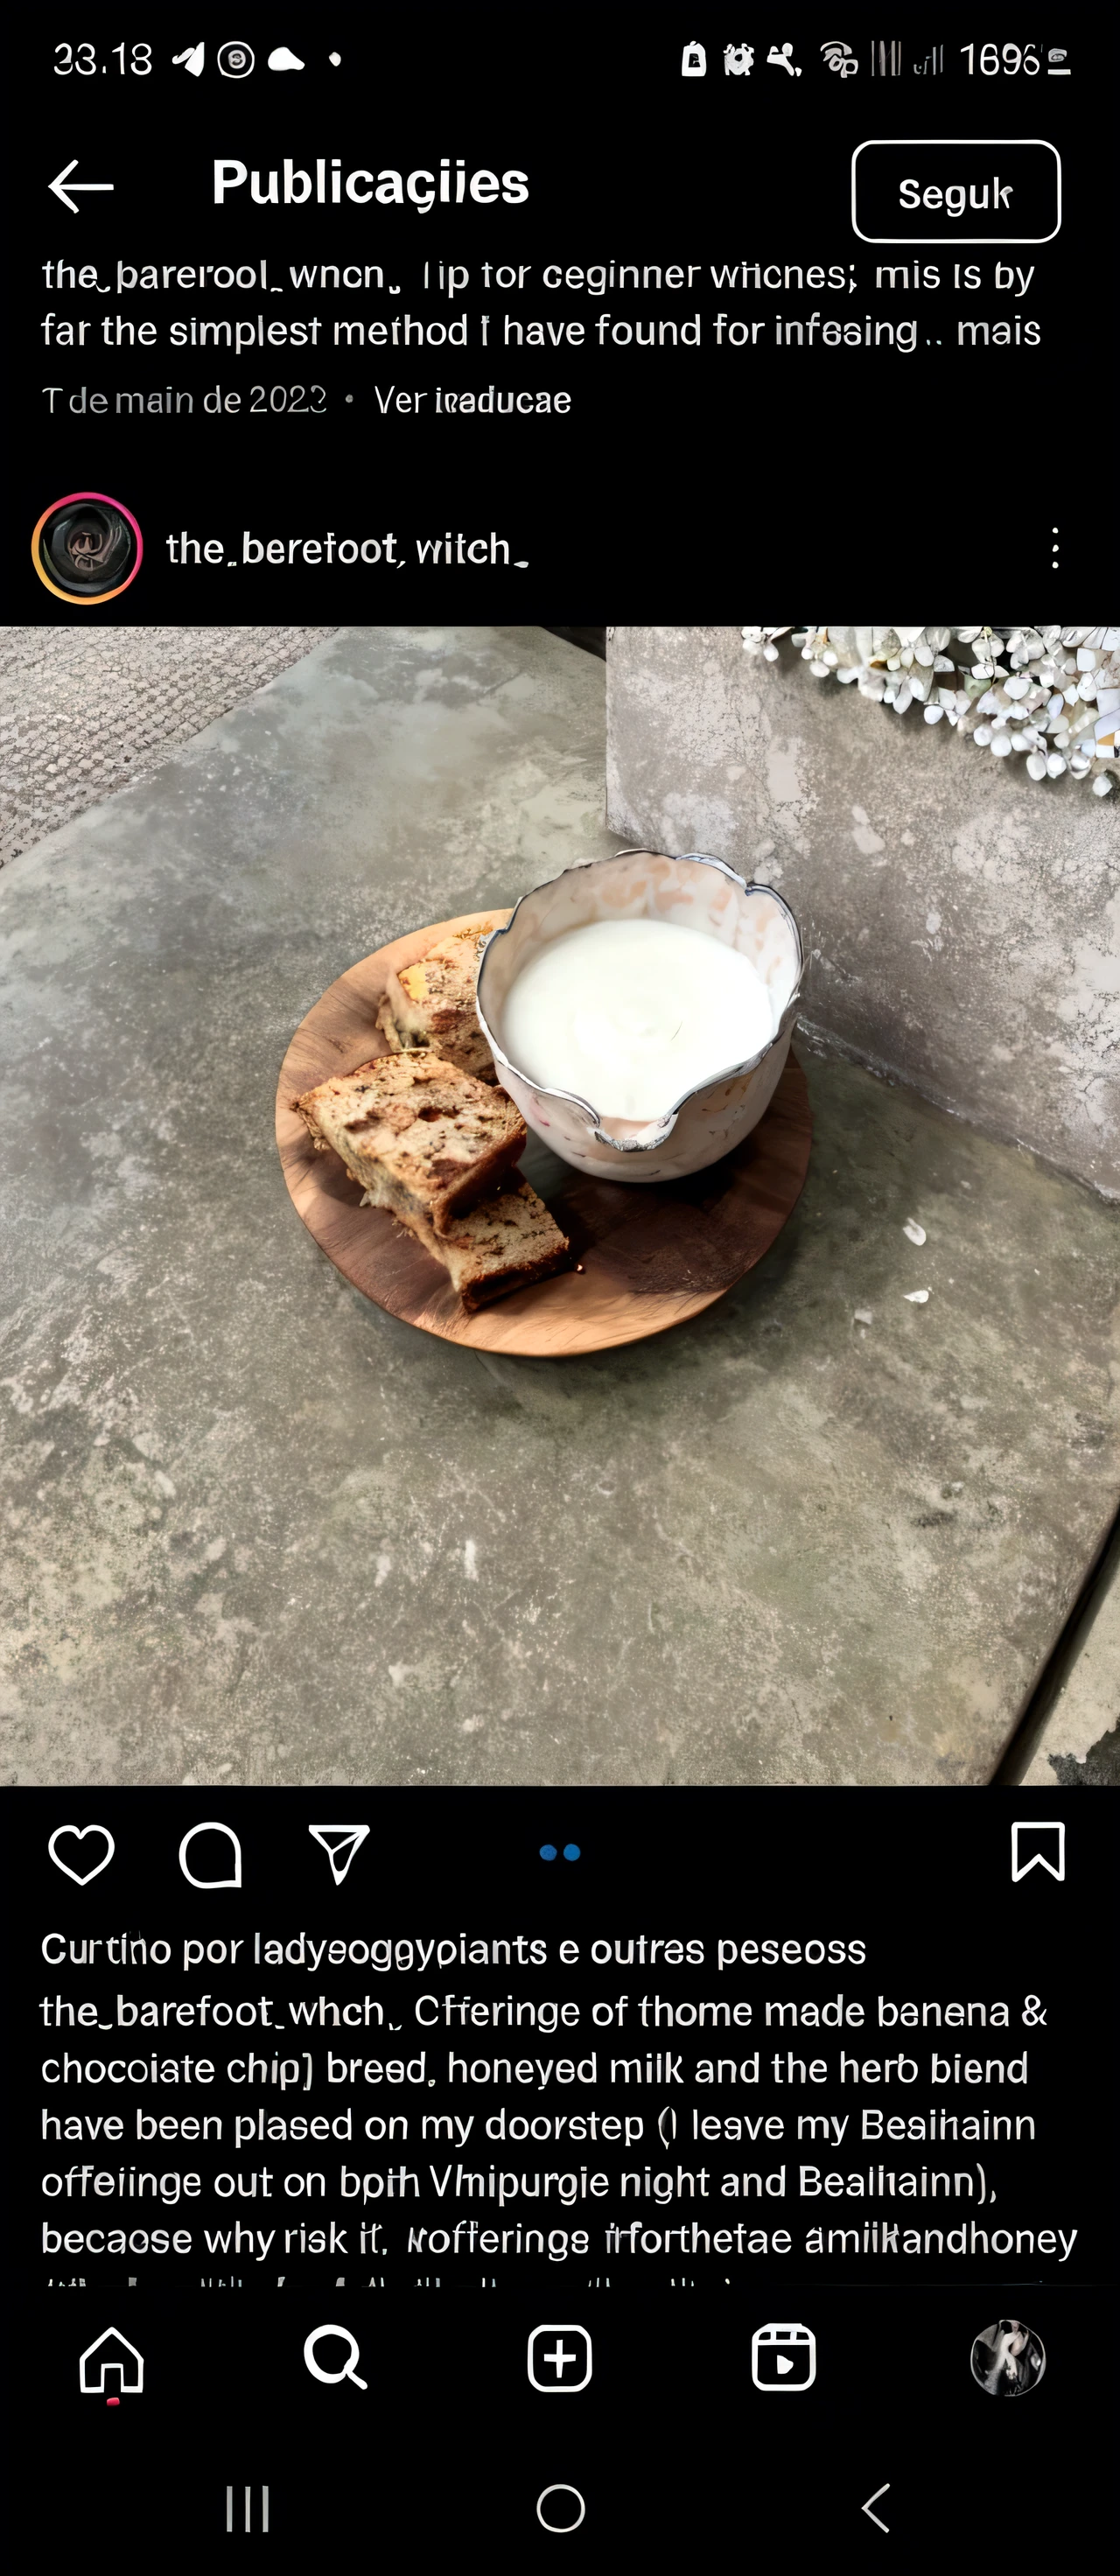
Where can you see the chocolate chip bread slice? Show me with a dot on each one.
(431, 1005)
(508, 1241)
(429, 1137)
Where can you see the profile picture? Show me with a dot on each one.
(1007, 2359)
(87, 547)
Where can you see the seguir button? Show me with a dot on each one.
(783, 2357)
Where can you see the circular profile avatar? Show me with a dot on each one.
(87, 548)
(1007, 2359)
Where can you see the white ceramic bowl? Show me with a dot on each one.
(693, 893)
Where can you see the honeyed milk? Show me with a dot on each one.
(631, 1015)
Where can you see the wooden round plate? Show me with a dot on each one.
(651, 1254)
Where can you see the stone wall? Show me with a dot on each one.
(963, 921)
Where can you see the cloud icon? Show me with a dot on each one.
(283, 60)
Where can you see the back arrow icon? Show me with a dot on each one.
(58, 187)
(866, 2508)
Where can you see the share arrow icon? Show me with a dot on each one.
(340, 1842)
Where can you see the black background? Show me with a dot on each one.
(678, 2457)
(667, 2445)
(924, 1881)
(680, 477)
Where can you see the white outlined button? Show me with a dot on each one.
(112, 2362)
(211, 1827)
(82, 1877)
(559, 2359)
(1043, 1832)
(556, 2508)
(995, 233)
(349, 2370)
(783, 2359)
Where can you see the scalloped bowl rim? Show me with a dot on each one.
(665, 1118)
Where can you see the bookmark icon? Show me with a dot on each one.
(1038, 1843)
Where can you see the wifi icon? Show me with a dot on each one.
(840, 58)
(340, 1842)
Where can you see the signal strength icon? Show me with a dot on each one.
(340, 1842)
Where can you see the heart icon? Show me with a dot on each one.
(81, 1877)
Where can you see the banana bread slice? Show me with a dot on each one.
(427, 1135)
(508, 1241)
(431, 1005)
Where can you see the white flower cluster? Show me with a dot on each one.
(1051, 692)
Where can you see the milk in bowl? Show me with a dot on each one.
(640, 1010)
(633, 1015)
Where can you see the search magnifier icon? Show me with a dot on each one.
(348, 2370)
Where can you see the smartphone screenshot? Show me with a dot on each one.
(559, 1405)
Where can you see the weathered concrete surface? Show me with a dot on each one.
(965, 922)
(1079, 1746)
(255, 1530)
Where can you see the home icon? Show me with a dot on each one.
(111, 2367)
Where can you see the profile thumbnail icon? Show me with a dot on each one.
(1007, 2359)
(87, 548)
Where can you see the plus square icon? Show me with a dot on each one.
(559, 2358)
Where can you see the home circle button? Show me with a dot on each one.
(561, 2508)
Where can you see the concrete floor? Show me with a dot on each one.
(255, 1530)
(1078, 1740)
